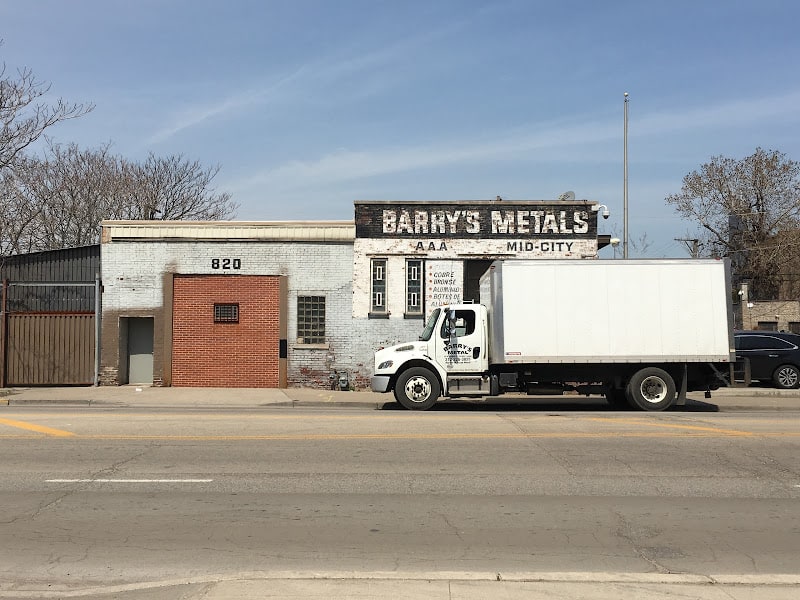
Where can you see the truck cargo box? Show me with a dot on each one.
(603, 311)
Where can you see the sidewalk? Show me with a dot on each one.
(148, 396)
(725, 399)
(449, 586)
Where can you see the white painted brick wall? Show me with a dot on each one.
(133, 272)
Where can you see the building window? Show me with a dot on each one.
(226, 313)
(794, 326)
(311, 319)
(767, 326)
(414, 287)
(378, 285)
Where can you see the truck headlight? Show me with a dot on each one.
(385, 365)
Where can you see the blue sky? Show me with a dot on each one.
(308, 105)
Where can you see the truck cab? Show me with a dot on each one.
(450, 358)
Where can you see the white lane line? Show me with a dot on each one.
(128, 480)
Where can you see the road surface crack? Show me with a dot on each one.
(626, 530)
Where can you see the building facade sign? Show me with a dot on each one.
(452, 243)
(476, 220)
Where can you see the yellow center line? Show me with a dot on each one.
(411, 436)
(36, 428)
(406, 436)
(731, 432)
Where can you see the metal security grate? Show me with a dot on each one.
(311, 319)
(226, 313)
(378, 285)
(413, 287)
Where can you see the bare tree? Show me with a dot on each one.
(16, 218)
(175, 188)
(748, 210)
(68, 193)
(639, 245)
(58, 200)
(23, 119)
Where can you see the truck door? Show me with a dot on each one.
(461, 342)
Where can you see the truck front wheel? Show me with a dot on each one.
(417, 389)
(651, 389)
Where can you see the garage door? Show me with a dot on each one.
(229, 331)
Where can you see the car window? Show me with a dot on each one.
(782, 344)
(761, 342)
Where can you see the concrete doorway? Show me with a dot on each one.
(140, 349)
(473, 270)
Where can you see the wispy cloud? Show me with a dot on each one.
(195, 115)
(317, 77)
(541, 142)
(726, 114)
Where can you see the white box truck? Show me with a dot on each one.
(640, 332)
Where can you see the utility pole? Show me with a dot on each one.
(694, 248)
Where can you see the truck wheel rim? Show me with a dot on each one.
(418, 389)
(787, 377)
(653, 390)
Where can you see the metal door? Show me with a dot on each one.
(460, 346)
(140, 350)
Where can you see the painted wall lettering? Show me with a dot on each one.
(476, 220)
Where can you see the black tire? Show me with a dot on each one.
(786, 377)
(417, 389)
(651, 389)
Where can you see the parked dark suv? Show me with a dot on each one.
(773, 356)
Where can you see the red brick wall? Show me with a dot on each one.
(208, 354)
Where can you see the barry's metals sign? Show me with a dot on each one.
(472, 219)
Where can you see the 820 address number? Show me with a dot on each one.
(226, 263)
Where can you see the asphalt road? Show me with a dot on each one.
(151, 497)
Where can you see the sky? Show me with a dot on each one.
(309, 105)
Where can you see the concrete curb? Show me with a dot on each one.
(725, 400)
(681, 580)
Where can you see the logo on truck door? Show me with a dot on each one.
(457, 352)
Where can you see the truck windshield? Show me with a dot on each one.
(430, 326)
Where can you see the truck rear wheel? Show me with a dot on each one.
(651, 389)
(417, 389)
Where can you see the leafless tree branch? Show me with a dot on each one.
(749, 210)
(58, 200)
(23, 118)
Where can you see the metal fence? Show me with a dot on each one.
(49, 347)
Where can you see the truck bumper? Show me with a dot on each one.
(380, 383)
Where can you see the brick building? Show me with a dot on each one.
(260, 304)
(213, 304)
(767, 315)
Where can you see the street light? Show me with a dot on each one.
(625, 185)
